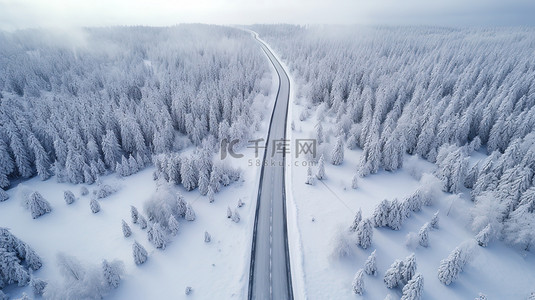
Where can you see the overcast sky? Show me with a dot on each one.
(52, 13)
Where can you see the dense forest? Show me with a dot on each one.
(438, 93)
(111, 98)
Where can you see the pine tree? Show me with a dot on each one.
(435, 220)
(409, 268)
(187, 172)
(358, 282)
(173, 225)
(207, 237)
(310, 178)
(356, 221)
(370, 266)
(140, 254)
(380, 214)
(126, 229)
(11, 271)
(37, 205)
(319, 133)
(204, 183)
(94, 205)
(393, 276)
(423, 235)
(337, 155)
(320, 174)
(395, 216)
(235, 216)
(110, 148)
(134, 214)
(33, 261)
(132, 165)
(354, 182)
(190, 213)
(157, 236)
(365, 233)
(483, 237)
(210, 194)
(240, 203)
(69, 197)
(229, 212)
(3, 195)
(413, 290)
(42, 163)
(38, 286)
(84, 191)
(451, 267)
(142, 222)
(112, 273)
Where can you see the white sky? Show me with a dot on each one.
(45, 13)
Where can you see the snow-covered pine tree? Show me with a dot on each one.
(140, 254)
(409, 268)
(38, 286)
(207, 237)
(42, 163)
(11, 269)
(112, 273)
(156, 236)
(132, 165)
(204, 182)
(173, 225)
(69, 197)
(134, 214)
(380, 214)
(126, 229)
(423, 235)
(358, 282)
(94, 205)
(370, 266)
(187, 172)
(356, 221)
(32, 260)
(451, 267)
(240, 203)
(337, 154)
(110, 148)
(211, 195)
(393, 276)
(320, 174)
(84, 191)
(319, 133)
(471, 177)
(413, 290)
(142, 221)
(365, 233)
(229, 212)
(310, 178)
(235, 216)
(37, 205)
(355, 182)
(483, 237)
(395, 216)
(3, 195)
(190, 213)
(435, 220)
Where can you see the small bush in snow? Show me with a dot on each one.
(229, 212)
(207, 237)
(84, 191)
(343, 244)
(235, 216)
(94, 205)
(355, 181)
(188, 290)
(240, 203)
(482, 296)
(69, 197)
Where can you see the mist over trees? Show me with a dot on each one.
(439, 93)
(108, 103)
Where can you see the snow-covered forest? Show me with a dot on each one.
(113, 97)
(437, 93)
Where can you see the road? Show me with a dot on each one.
(270, 276)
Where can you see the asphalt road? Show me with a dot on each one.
(270, 276)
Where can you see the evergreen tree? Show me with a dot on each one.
(229, 212)
(3, 195)
(207, 237)
(69, 197)
(337, 155)
(140, 254)
(187, 172)
(94, 205)
(356, 221)
(173, 225)
(110, 148)
(33, 261)
(354, 182)
(370, 266)
(319, 133)
(235, 216)
(393, 276)
(42, 163)
(395, 215)
(38, 286)
(142, 222)
(365, 233)
(452, 266)
(11, 271)
(134, 214)
(483, 237)
(157, 236)
(210, 194)
(413, 290)
(126, 229)
(112, 273)
(409, 268)
(358, 282)
(423, 235)
(380, 214)
(435, 220)
(204, 182)
(84, 191)
(37, 205)
(190, 213)
(320, 174)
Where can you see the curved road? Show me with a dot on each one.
(269, 276)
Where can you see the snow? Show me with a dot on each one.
(318, 212)
(220, 266)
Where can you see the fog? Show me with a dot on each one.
(15, 14)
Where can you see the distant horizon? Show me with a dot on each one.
(22, 14)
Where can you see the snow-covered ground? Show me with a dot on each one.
(321, 211)
(220, 267)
